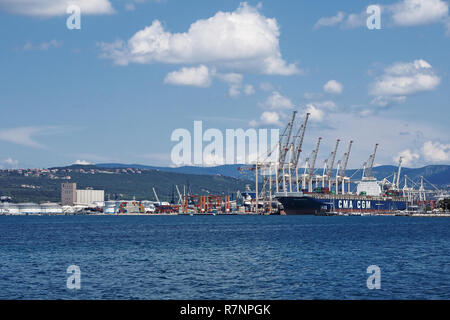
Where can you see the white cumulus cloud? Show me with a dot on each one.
(408, 157)
(333, 86)
(316, 114)
(234, 81)
(403, 79)
(436, 151)
(82, 162)
(270, 118)
(197, 77)
(430, 152)
(418, 12)
(50, 8)
(243, 39)
(277, 101)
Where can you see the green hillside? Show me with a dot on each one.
(46, 187)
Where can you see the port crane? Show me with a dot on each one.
(368, 170)
(330, 163)
(156, 196)
(325, 166)
(284, 147)
(397, 182)
(297, 142)
(296, 149)
(180, 198)
(344, 167)
(313, 158)
(338, 168)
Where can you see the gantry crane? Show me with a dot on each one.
(156, 196)
(330, 162)
(344, 166)
(336, 182)
(397, 183)
(297, 142)
(284, 146)
(285, 139)
(368, 171)
(313, 163)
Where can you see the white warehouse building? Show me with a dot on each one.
(90, 197)
(71, 196)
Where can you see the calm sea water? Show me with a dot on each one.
(217, 257)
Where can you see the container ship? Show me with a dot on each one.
(322, 202)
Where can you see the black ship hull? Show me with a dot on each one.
(317, 205)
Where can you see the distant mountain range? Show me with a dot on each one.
(436, 174)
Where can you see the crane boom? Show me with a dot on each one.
(371, 161)
(338, 168)
(397, 183)
(179, 195)
(297, 142)
(284, 145)
(346, 157)
(285, 139)
(314, 158)
(156, 196)
(330, 163)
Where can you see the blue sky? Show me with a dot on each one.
(116, 89)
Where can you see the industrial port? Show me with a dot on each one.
(286, 186)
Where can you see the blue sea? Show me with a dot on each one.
(224, 257)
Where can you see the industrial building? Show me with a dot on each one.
(70, 196)
(29, 208)
(90, 197)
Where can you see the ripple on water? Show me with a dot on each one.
(235, 257)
